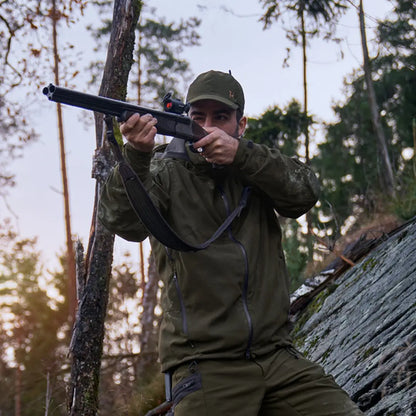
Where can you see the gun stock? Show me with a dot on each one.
(169, 124)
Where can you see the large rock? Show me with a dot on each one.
(362, 328)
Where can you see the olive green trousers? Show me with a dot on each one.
(281, 384)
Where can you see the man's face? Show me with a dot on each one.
(211, 113)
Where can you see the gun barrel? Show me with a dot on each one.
(168, 124)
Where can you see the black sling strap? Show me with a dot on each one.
(148, 213)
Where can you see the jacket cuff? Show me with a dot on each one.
(139, 161)
(244, 152)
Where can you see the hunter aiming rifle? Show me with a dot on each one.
(170, 122)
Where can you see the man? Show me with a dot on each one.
(224, 334)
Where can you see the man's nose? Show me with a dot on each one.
(208, 122)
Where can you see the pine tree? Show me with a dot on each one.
(33, 328)
(321, 16)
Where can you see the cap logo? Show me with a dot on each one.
(231, 94)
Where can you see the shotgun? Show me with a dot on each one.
(169, 122)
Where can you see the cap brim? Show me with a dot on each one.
(223, 100)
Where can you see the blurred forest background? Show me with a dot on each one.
(366, 163)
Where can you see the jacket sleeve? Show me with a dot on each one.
(115, 211)
(291, 185)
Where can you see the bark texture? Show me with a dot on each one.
(87, 340)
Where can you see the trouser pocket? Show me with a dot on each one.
(185, 387)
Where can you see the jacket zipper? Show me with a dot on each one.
(179, 293)
(246, 275)
(181, 304)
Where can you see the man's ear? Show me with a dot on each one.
(242, 124)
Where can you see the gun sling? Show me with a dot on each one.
(148, 213)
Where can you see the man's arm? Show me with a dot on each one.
(290, 184)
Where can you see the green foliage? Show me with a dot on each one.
(161, 44)
(280, 128)
(321, 17)
(317, 10)
(404, 206)
(294, 245)
(351, 184)
(159, 67)
(400, 33)
(32, 328)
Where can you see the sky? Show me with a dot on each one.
(230, 40)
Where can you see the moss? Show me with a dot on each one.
(331, 288)
(307, 348)
(299, 342)
(326, 354)
(363, 354)
(314, 307)
(369, 351)
(369, 264)
(313, 343)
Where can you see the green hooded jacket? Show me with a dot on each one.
(230, 300)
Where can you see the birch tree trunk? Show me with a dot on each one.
(87, 340)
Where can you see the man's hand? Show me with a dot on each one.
(140, 132)
(217, 147)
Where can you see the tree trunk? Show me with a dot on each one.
(387, 176)
(87, 341)
(70, 257)
(148, 339)
(309, 236)
(305, 88)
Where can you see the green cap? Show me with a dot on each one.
(218, 86)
